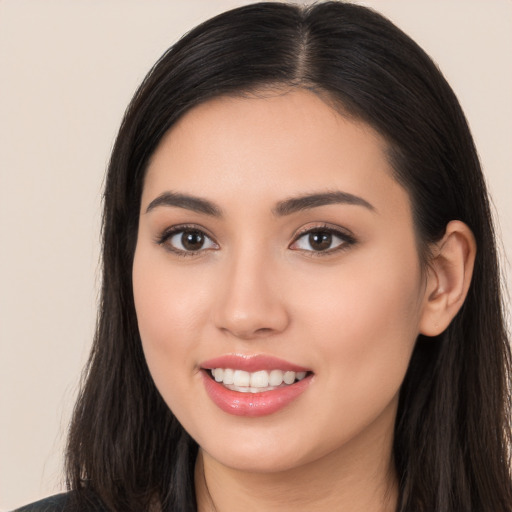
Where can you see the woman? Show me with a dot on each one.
(300, 303)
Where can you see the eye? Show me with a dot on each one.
(186, 241)
(322, 239)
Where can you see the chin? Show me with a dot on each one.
(259, 452)
(257, 461)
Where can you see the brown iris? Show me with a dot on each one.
(320, 240)
(192, 240)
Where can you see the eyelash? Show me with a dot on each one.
(183, 228)
(346, 239)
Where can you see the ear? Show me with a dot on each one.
(449, 276)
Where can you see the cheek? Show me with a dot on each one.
(170, 311)
(364, 325)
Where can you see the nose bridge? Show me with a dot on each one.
(250, 303)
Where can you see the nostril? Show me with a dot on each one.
(263, 330)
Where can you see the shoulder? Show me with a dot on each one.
(62, 503)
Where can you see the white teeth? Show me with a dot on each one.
(276, 378)
(255, 382)
(289, 377)
(259, 379)
(241, 378)
(228, 376)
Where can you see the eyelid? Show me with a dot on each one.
(170, 231)
(347, 237)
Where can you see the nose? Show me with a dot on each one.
(251, 302)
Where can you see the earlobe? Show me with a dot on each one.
(449, 277)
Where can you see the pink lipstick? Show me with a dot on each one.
(253, 385)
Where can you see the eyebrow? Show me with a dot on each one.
(283, 208)
(296, 204)
(195, 204)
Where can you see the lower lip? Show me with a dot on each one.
(253, 404)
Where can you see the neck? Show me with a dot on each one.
(356, 478)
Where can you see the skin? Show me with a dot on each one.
(351, 314)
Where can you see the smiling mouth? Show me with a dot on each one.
(255, 382)
(253, 386)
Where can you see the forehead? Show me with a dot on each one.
(264, 147)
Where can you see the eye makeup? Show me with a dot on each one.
(324, 239)
(186, 240)
(315, 240)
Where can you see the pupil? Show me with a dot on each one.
(192, 240)
(320, 241)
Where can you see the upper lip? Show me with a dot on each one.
(251, 363)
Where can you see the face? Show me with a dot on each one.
(274, 243)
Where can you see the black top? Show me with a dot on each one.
(62, 503)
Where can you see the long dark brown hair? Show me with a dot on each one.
(452, 434)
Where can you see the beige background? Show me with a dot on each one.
(67, 71)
